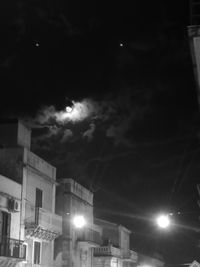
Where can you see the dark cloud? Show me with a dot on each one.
(88, 134)
(66, 135)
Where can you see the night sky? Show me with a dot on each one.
(126, 69)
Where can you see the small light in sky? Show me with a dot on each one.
(37, 44)
(121, 44)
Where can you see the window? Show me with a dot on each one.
(38, 198)
(37, 248)
(4, 224)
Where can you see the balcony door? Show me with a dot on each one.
(4, 232)
(4, 225)
(38, 203)
(38, 198)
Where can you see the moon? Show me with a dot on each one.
(69, 109)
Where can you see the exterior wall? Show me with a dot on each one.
(39, 164)
(5, 194)
(34, 180)
(23, 136)
(107, 262)
(74, 250)
(6, 186)
(46, 257)
(116, 235)
(124, 241)
(13, 133)
(19, 164)
(116, 246)
(39, 174)
(110, 232)
(144, 260)
(11, 163)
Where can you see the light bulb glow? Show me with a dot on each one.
(163, 221)
(79, 221)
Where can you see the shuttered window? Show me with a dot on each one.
(37, 248)
(38, 198)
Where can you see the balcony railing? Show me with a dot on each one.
(133, 256)
(89, 236)
(107, 251)
(110, 250)
(48, 219)
(42, 223)
(12, 248)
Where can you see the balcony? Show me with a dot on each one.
(133, 256)
(12, 248)
(42, 224)
(89, 236)
(107, 251)
(130, 255)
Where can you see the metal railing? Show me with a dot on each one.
(133, 255)
(36, 216)
(107, 251)
(13, 248)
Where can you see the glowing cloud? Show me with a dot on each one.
(78, 112)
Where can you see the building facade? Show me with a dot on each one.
(115, 250)
(12, 245)
(75, 247)
(44, 223)
(39, 225)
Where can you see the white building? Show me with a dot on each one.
(75, 247)
(44, 227)
(39, 225)
(115, 250)
(12, 246)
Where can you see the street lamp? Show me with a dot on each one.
(163, 221)
(79, 221)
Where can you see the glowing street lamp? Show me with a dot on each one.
(163, 221)
(79, 221)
